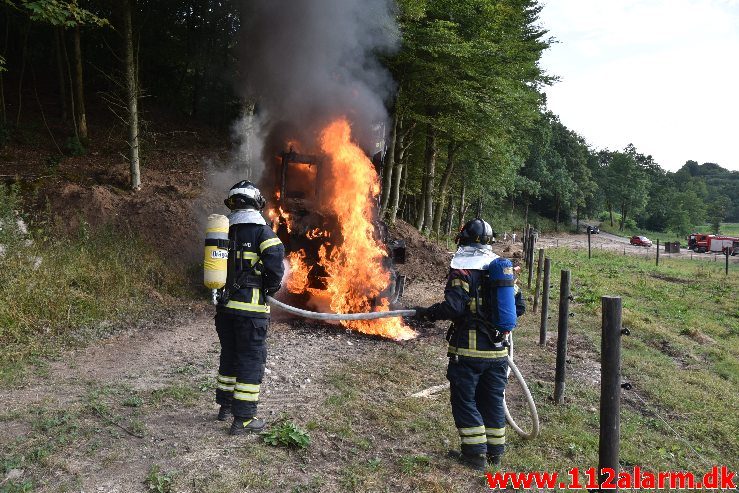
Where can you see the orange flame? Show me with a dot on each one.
(317, 233)
(356, 276)
(297, 282)
(279, 216)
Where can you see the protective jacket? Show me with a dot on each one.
(469, 336)
(255, 265)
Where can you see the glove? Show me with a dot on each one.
(422, 314)
(271, 291)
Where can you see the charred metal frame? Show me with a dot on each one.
(292, 157)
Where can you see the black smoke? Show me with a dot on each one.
(307, 62)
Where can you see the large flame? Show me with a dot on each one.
(297, 282)
(356, 276)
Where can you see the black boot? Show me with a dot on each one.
(242, 426)
(224, 412)
(494, 460)
(478, 462)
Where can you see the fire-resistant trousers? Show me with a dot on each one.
(243, 355)
(477, 386)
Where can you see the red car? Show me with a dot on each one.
(640, 241)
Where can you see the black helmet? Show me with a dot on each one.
(475, 231)
(245, 195)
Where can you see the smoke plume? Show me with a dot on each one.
(307, 62)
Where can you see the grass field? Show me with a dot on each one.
(72, 290)
(729, 229)
(682, 358)
(369, 434)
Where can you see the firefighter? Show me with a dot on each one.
(477, 370)
(242, 316)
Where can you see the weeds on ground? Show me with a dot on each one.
(157, 481)
(180, 394)
(287, 434)
(50, 430)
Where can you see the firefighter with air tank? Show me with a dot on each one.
(244, 263)
(482, 300)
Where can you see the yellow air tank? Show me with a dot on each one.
(216, 252)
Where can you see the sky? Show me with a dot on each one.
(661, 74)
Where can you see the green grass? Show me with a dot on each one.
(49, 431)
(682, 355)
(68, 289)
(682, 358)
(728, 229)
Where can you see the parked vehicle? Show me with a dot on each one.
(720, 244)
(735, 248)
(702, 243)
(640, 241)
(698, 242)
(594, 230)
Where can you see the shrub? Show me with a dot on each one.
(157, 481)
(287, 434)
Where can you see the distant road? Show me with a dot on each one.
(611, 237)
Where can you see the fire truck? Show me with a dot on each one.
(702, 243)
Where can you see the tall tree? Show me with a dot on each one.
(630, 184)
(469, 72)
(132, 95)
(79, 86)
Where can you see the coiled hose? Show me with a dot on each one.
(409, 313)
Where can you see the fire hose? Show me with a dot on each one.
(340, 316)
(409, 313)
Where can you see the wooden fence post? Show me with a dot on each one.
(589, 255)
(532, 245)
(610, 386)
(562, 325)
(539, 269)
(727, 261)
(545, 303)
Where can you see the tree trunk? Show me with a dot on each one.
(556, 224)
(449, 217)
(58, 40)
(421, 208)
(404, 187)
(418, 205)
(400, 172)
(610, 212)
(462, 208)
(5, 52)
(22, 73)
(132, 96)
(526, 210)
(577, 219)
(79, 87)
(388, 173)
(623, 217)
(430, 161)
(444, 185)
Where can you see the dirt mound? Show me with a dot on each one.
(162, 213)
(425, 259)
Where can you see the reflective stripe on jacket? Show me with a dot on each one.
(253, 246)
(468, 337)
